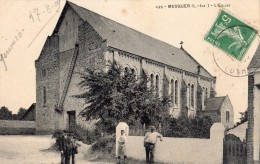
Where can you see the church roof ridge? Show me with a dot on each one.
(130, 40)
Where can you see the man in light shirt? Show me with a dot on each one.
(150, 140)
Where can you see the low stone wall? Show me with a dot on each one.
(15, 127)
(182, 150)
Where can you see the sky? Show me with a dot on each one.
(26, 25)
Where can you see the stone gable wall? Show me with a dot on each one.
(47, 75)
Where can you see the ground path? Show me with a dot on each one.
(17, 149)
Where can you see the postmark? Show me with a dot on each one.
(232, 36)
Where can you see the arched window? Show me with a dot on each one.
(156, 84)
(205, 95)
(172, 91)
(192, 95)
(126, 70)
(203, 98)
(44, 95)
(188, 95)
(133, 72)
(152, 80)
(176, 92)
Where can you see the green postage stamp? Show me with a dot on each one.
(231, 35)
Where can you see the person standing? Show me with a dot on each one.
(122, 146)
(150, 140)
(61, 146)
(74, 149)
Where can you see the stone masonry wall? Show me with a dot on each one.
(47, 76)
(15, 127)
(68, 30)
(91, 55)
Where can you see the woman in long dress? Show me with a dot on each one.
(122, 146)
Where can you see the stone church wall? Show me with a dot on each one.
(47, 78)
(91, 55)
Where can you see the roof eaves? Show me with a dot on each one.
(28, 111)
(182, 70)
(213, 77)
(221, 104)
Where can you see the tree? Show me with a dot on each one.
(19, 114)
(117, 95)
(243, 117)
(5, 114)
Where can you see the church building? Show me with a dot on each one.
(84, 39)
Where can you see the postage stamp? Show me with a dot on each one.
(231, 35)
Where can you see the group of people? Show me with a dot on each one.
(67, 146)
(150, 140)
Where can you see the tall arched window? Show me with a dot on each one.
(192, 95)
(152, 81)
(126, 71)
(133, 72)
(176, 92)
(188, 95)
(172, 91)
(203, 98)
(156, 84)
(205, 95)
(44, 95)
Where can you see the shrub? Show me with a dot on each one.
(197, 127)
(85, 135)
(105, 144)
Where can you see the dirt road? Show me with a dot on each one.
(17, 149)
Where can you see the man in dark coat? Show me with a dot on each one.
(73, 149)
(65, 147)
(61, 146)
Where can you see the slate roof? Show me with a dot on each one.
(31, 109)
(127, 39)
(214, 104)
(255, 62)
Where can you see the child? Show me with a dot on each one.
(121, 146)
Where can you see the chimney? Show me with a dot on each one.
(199, 69)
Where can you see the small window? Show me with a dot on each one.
(227, 116)
(44, 95)
(43, 72)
